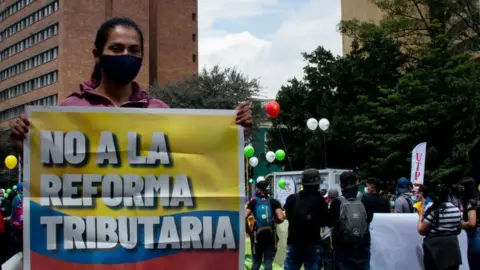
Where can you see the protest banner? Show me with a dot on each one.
(125, 189)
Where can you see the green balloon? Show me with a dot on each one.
(8, 191)
(250, 180)
(280, 155)
(249, 151)
(282, 184)
(14, 188)
(5, 195)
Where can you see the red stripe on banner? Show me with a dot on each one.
(195, 260)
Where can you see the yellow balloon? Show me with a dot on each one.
(11, 162)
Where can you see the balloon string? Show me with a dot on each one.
(325, 146)
(320, 147)
(286, 151)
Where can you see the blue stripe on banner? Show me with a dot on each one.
(118, 255)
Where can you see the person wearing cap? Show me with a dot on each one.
(404, 202)
(347, 257)
(307, 213)
(264, 239)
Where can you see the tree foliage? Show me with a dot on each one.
(387, 95)
(211, 89)
(444, 23)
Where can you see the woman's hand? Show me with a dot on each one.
(244, 115)
(19, 131)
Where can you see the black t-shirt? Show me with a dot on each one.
(264, 237)
(307, 213)
(334, 215)
(377, 203)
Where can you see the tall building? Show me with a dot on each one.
(362, 10)
(46, 46)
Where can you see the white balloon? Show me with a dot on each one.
(312, 123)
(260, 179)
(253, 161)
(270, 156)
(324, 124)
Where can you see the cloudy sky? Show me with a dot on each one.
(265, 38)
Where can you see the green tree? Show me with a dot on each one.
(386, 96)
(445, 23)
(212, 89)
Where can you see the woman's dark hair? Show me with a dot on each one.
(470, 192)
(102, 37)
(439, 195)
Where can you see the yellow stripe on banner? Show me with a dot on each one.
(205, 147)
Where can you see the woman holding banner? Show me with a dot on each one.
(470, 205)
(441, 225)
(118, 53)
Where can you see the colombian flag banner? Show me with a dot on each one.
(133, 189)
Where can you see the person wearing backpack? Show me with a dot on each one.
(307, 213)
(404, 202)
(267, 213)
(350, 216)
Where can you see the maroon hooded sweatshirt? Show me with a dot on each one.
(88, 96)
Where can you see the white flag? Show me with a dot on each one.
(419, 154)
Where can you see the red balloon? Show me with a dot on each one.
(273, 109)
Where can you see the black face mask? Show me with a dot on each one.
(121, 69)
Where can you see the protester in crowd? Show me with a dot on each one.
(331, 194)
(118, 53)
(470, 201)
(327, 257)
(404, 202)
(306, 212)
(350, 217)
(424, 198)
(267, 213)
(16, 219)
(377, 203)
(440, 224)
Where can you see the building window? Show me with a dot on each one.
(28, 20)
(194, 38)
(194, 17)
(13, 8)
(194, 58)
(28, 86)
(17, 110)
(30, 41)
(29, 63)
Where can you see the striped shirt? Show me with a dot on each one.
(445, 220)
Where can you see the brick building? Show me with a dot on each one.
(46, 46)
(362, 10)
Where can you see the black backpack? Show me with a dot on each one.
(352, 222)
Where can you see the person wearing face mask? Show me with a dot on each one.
(376, 202)
(404, 201)
(118, 53)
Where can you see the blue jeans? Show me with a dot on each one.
(358, 259)
(308, 255)
(473, 238)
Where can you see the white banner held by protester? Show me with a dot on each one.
(396, 244)
(419, 154)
